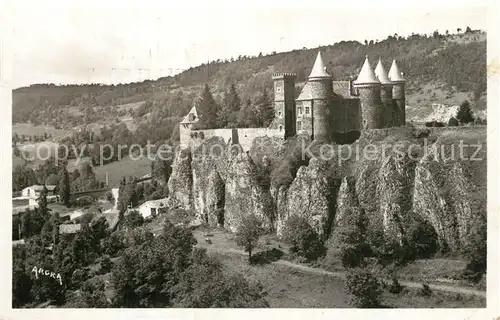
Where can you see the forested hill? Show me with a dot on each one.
(439, 68)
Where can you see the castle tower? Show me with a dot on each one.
(385, 94)
(284, 103)
(398, 94)
(320, 91)
(368, 87)
(185, 127)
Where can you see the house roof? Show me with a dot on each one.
(38, 187)
(69, 228)
(381, 74)
(366, 75)
(341, 89)
(194, 112)
(160, 203)
(319, 69)
(394, 73)
(305, 93)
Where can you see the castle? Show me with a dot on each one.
(375, 100)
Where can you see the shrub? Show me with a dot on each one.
(363, 288)
(395, 287)
(304, 239)
(423, 239)
(453, 122)
(106, 264)
(425, 290)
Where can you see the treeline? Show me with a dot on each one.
(49, 173)
(423, 58)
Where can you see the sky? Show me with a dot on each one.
(111, 41)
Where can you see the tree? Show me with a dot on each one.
(468, 30)
(248, 234)
(22, 177)
(352, 239)
(228, 114)
(363, 289)
(207, 110)
(464, 114)
(304, 239)
(248, 116)
(64, 187)
(476, 249)
(459, 30)
(266, 109)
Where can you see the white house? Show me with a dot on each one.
(151, 208)
(35, 190)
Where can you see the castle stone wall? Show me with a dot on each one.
(243, 136)
(346, 115)
(247, 135)
(305, 119)
(371, 107)
(388, 105)
(398, 94)
(321, 91)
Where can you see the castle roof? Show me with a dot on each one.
(381, 74)
(191, 117)
(366, 75)
(341, 89)
(319, 69)
(305, 93)
(394, 73)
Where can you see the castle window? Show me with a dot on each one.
(280, 114)
(278, 89)
(308, 110)
(281, 128)
(299, 125)
(299, 111)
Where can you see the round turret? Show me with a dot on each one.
(368, 87)
(385, 94)
(320, 89)
(398, 94)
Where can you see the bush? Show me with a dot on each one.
(106, 264)
(134, 219)
(304, 239)
(434, 124)
(395, 287)
(453, 122)
(363, 288)
(425, 290)
(423, 239)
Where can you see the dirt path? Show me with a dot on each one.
(341, 275)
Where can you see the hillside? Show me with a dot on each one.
(443, 69)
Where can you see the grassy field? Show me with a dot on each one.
(117, 169)
(29, 129)
(123, 168)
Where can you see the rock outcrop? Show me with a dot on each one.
(390, 190)
(312, 195)
(180, 183)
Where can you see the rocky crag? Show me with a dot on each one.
(392, 186)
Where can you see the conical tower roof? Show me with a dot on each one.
(394, 73)
(319, 69)
(381, 74)
(366, 75)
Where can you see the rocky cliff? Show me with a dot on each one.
(392, 187)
